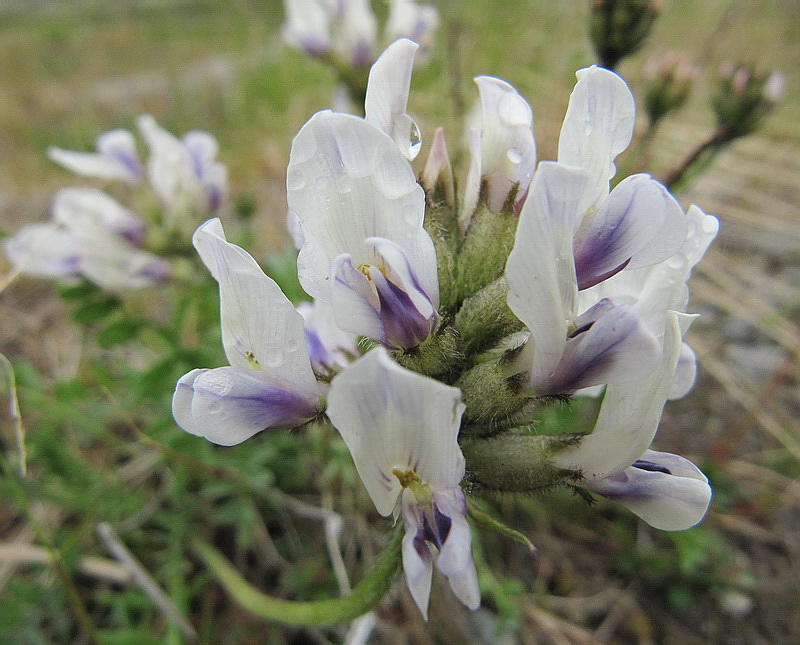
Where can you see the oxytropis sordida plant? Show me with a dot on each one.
(444, 320)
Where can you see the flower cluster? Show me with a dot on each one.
(346, 31)
(93, 236)
(440, 326)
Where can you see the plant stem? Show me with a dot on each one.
(697, 160)
(366, 594)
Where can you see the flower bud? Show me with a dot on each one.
(670, 81)
(516, 463)
(619, 27)
(744, 97)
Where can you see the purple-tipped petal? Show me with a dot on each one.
(627, 223)
(227, 405)
(615, 347)
(455, 555)
(417, 558)
(667, 491)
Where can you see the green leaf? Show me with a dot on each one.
(95, 310)
(119, 332)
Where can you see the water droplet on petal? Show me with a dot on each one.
(275, 358)
(514, 111)
(291, 345)
(344, 185)
(295, 179)
(709, 224)
(414, 140)
(411, 215)
(514, 156)
(677, 261)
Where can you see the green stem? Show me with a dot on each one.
(698, 160)
(484, 519)
(368, 593)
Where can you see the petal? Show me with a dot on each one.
(508, 150)
(260, 327)
(598, 126)
(666, 491)
(114, 264)
(115, 159)
(395, 263)
(45, 251)
(417, 559)
(630, 223)
(390, 418)
(230, 404)
(628, 418)
(356, 307)
(120, 145)
(540, 272)
(438, 167)
(685, 373)
(656, 289)
(387, 96)
(455, 558)
(328, 345)
(308, 25)
(618, 348)
(85, 210)
(347, 181)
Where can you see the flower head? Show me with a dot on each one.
(347, 30)
(92, 236)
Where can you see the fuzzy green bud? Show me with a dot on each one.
(516, 463)
(442, 225)
(494, 399)
(619, 27)
(485, 318)
(670, 81)
(484, 251)
(437, 356)
(744, 97)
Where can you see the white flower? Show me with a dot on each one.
(401, 429)
(574, 233)
(270, 382)
(502, 147)
(568, 349)
(115, 158)
(665, 490)
(360, 211)
(184, 173)
(348, 29)
(655, 289)
(91, 235)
